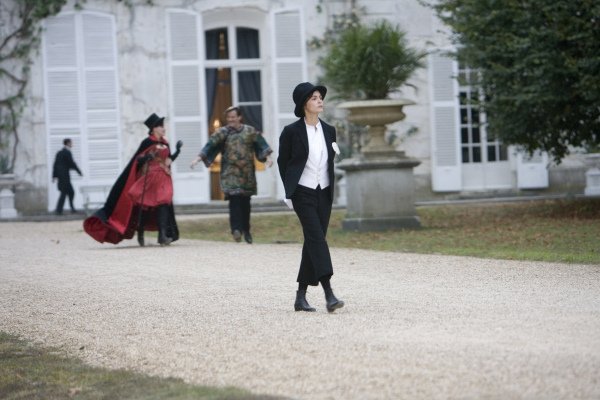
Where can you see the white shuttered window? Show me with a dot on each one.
(289, 62)
(289, 66)
(445, 144)
(81, 97)
(186, 117)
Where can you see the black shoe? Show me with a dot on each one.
(73, 211)
(163, 222)
(332, 303)
(237, 236)
(164, 240)
(58, 214)
(140, 236)
(301, 304)
(248, 237)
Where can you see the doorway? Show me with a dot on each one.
(485, 163)
(233, 77)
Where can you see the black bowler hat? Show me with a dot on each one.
(153, 121)
(302, 92)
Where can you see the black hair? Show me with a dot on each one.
(66, 141)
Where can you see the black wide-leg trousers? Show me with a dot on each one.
(239, 213)
(313, 208)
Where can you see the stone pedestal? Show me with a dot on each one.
(7, 197)
(592, 182)
(341, 198)
(380, 184)
(380, 193)
(592, 176)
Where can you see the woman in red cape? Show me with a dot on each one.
(141, 198)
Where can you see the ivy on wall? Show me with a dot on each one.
(20, 36)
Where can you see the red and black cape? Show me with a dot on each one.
(118, 218)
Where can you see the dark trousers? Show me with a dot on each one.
(239, 213)
(61, 200)
(313, 208)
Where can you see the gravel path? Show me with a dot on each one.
(414, 326)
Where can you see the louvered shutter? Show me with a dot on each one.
(62, 94)
(289, 67)
(532, 172)
(187, 108)
(101, 105)
(445, 144)
(81, 97)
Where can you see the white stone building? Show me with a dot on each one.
(102, 70)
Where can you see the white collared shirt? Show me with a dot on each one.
(316, 170)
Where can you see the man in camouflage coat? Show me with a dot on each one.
(238, 143)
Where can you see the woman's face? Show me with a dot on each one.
(314, 105)
(159, 131)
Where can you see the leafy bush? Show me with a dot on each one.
(370, 62)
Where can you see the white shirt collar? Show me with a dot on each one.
(312, 126)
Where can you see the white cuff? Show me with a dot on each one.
(288, 202)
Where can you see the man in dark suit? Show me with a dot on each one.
(306, 151)
(61, 171)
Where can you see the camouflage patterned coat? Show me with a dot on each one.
(238, 149)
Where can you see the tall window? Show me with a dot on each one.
(477, 144)
(235, 77)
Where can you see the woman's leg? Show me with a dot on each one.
(141, 225)
(163, 221)
(313, 213)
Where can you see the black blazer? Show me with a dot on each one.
(62, 164)
(293, 154)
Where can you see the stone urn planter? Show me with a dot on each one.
(376, 114)
(7, 197)
(380, 184)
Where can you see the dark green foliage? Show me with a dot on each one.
(369, 62)
(539, 64)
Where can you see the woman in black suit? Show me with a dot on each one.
(306, 151)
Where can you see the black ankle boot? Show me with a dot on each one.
(163, 221)
(332, 303)
(301, 304)
(141, 226)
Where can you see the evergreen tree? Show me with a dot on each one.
(539, 63)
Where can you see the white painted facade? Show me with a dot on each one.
(101, 71)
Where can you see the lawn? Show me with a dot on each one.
(28, 371)
(565, 230)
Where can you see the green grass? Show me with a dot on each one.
(566, 230)
(34, 372)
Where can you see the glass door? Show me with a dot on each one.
(484, 159)
(233, 77)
